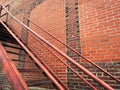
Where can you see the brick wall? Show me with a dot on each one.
(22, 6)
(99, 27)
(72, 39)
(25, 8)
(112, 68)
(99, 35)
(96, 30)
(51, 17)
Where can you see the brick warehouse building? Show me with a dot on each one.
(91, 27)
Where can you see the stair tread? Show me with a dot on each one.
(38, 82)
(22, 61)
(28, 70)
(16, 47)
(37, 88)
(12, 52)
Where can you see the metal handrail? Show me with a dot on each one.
(88, 60)
(102, 83)
(68, 66)
(81, 77)
(57, 82)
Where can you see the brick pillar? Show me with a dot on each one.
(72, 38)
(24, 37)
(72, 28)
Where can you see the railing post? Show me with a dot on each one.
(7, 13)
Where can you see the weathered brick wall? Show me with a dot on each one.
(72, 39)
(99, 35)
(99, 27)
(25, 8)
(16, 27)
(112, 68)
(72, 28)
(51, 17)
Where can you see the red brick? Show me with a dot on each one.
(51, 17)
(104, 18)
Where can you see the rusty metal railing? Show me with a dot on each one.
(48, 67)
(41, 64)
(105, 85)
(78, 53)
(11, 71)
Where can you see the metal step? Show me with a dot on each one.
(5, 36)
(38, 82)
(22, 61)
(16, 47)
(11, 52)
(29, 70)
(37, 88)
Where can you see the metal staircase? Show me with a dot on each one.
(12, 48)
(13, 67)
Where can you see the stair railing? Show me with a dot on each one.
(78, 53)
(48, 69)
(61, 61)
(4, 14)
(60, 85)
(10, 70)
(88, 60)
(102, 83)
(41, 64)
